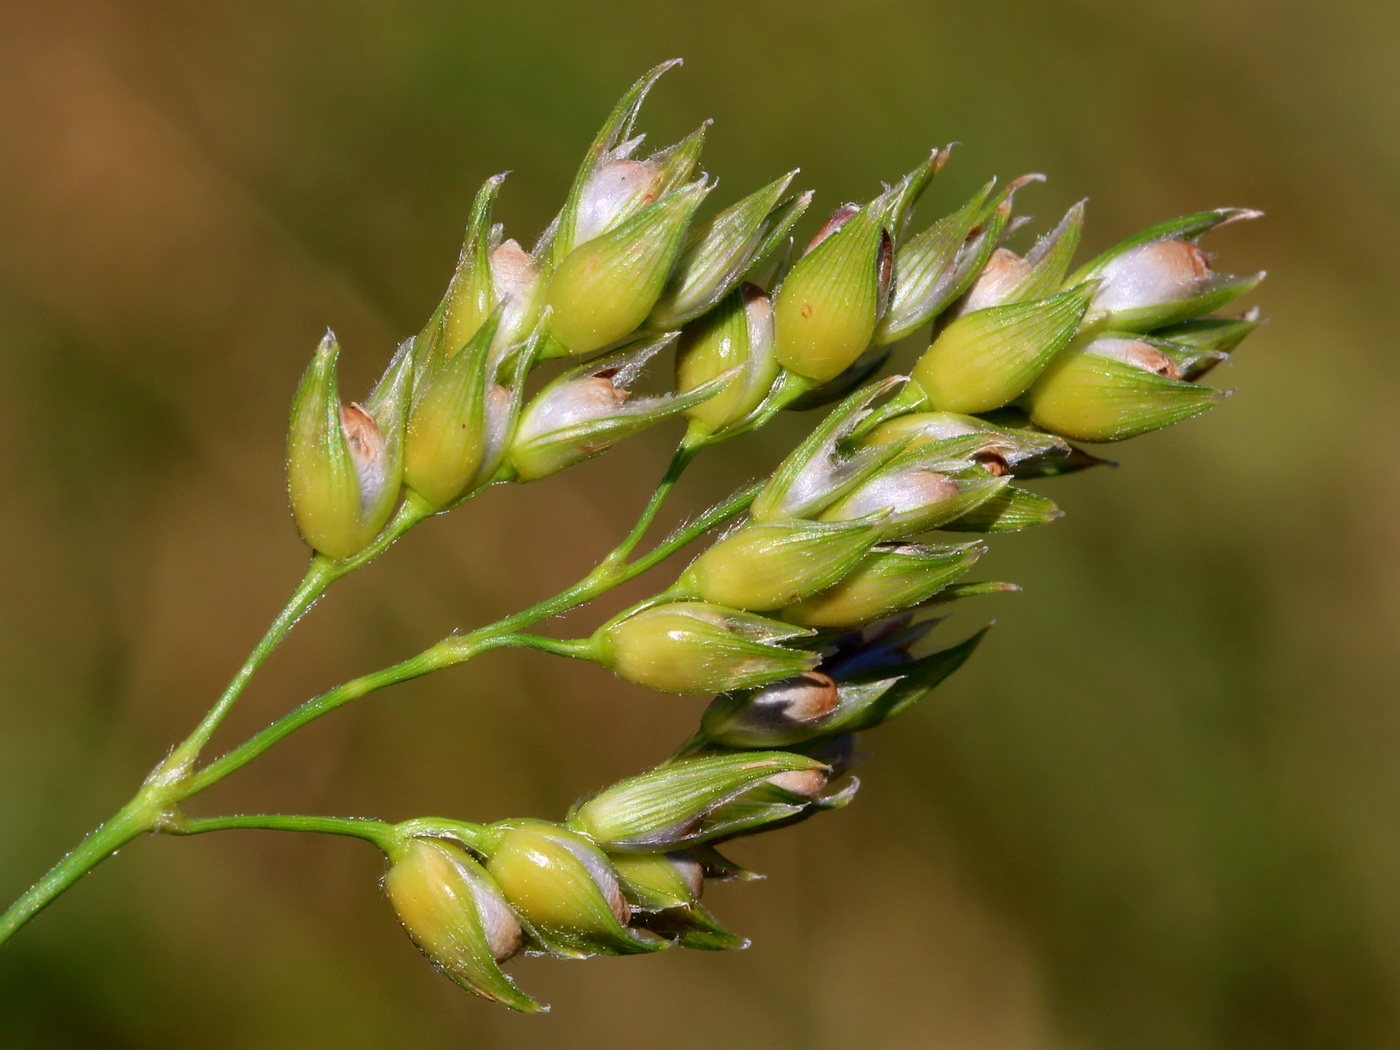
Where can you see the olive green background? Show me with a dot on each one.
(1159, 810)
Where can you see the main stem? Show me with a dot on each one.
(131, 820)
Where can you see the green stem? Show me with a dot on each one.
(429, 660)
(446, 653)
(321, 574)
(318, 577)
(460, 648)
(614, 570)
(131, 820)
(376, 831)
(686, 451)
(481, 837)
(687, 534)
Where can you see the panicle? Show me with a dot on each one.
(1023, 361)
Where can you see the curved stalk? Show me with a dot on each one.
(686, 451)
(130, 821)
(319, 576)
(376, 831)
(457, 649)
(448, 652)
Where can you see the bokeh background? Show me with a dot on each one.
(1159, 809)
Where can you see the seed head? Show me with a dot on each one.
(697, 647)
(890, 579)
(675, 805)
(737, 334)
(566, 890)
(589, 409)
(458, 917)
(766, 565)
(1112, 388)
(605, 288)
(345, 463)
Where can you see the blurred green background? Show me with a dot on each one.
(1159, 809)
